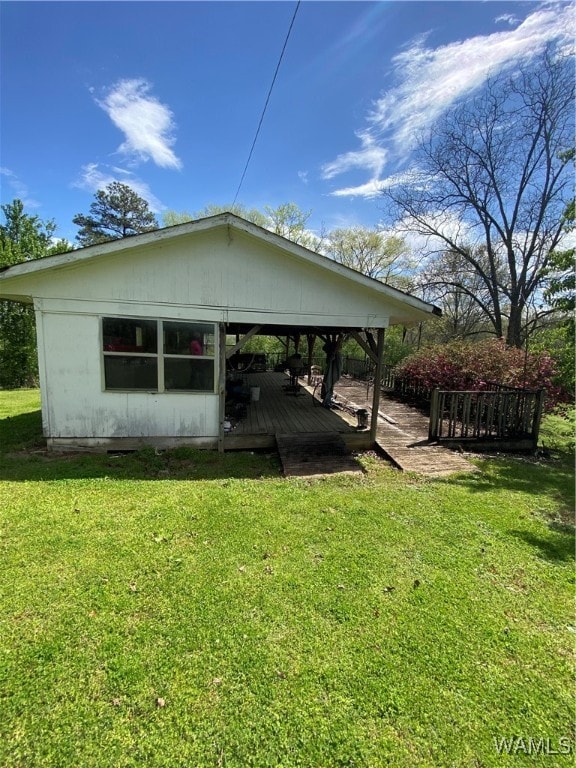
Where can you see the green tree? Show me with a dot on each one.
(22, 238)
(559, 338)
(561, 289)
(375, 254)
(116, 212)
(171, 218)
(288, 220)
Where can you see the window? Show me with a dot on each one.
(188, 356)
(158, 355)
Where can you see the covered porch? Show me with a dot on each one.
(280, 411)
(277, 411)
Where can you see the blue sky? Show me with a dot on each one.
(166, 97)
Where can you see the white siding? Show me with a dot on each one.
(75, 405)
(231, 277)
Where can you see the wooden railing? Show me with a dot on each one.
(411, 389)
(388, 380)
(359, 368)
(507, 416)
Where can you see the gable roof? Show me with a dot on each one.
(94, 252)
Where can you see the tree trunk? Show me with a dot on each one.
(514, 332)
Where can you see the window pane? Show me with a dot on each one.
(131, 372)
(188, 339)
(195, 375)
(122, 335)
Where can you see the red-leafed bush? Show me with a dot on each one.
(465, 365)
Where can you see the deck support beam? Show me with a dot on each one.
(311, 339)
(241, 341)
(364, 344)
(377, 380)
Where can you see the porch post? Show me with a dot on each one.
(377, 382)
(221, 384)
(311, 338)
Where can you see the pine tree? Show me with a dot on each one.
(116, 212)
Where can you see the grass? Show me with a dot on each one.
(190, 609)
(558, 430)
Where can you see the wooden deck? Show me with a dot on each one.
(402, 433)
(277, 412)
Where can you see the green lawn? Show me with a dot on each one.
(195, 610)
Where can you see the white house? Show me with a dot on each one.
(131, 333)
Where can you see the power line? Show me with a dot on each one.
(266, 103)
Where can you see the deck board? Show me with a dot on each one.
(402, 434)
(279, 412)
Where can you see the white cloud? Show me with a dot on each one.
(506, 18)
(19, 188)
(93, 178)
(431, 80)
(375, 186)
(147, 124)
(303, 176)
(370, 157)
(371, 188)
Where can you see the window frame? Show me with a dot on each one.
(159, 356)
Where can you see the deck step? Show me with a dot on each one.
(315, 453)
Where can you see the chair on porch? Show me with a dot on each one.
(316, 375)
(295, 367)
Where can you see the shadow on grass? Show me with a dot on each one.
(22, 430)
(146, 464)
(557, 547)
(23, 457)
(551, 477)
(554, 477)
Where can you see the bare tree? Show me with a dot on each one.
(449, 281)
(494, 179)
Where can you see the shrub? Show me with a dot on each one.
(462, 365)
